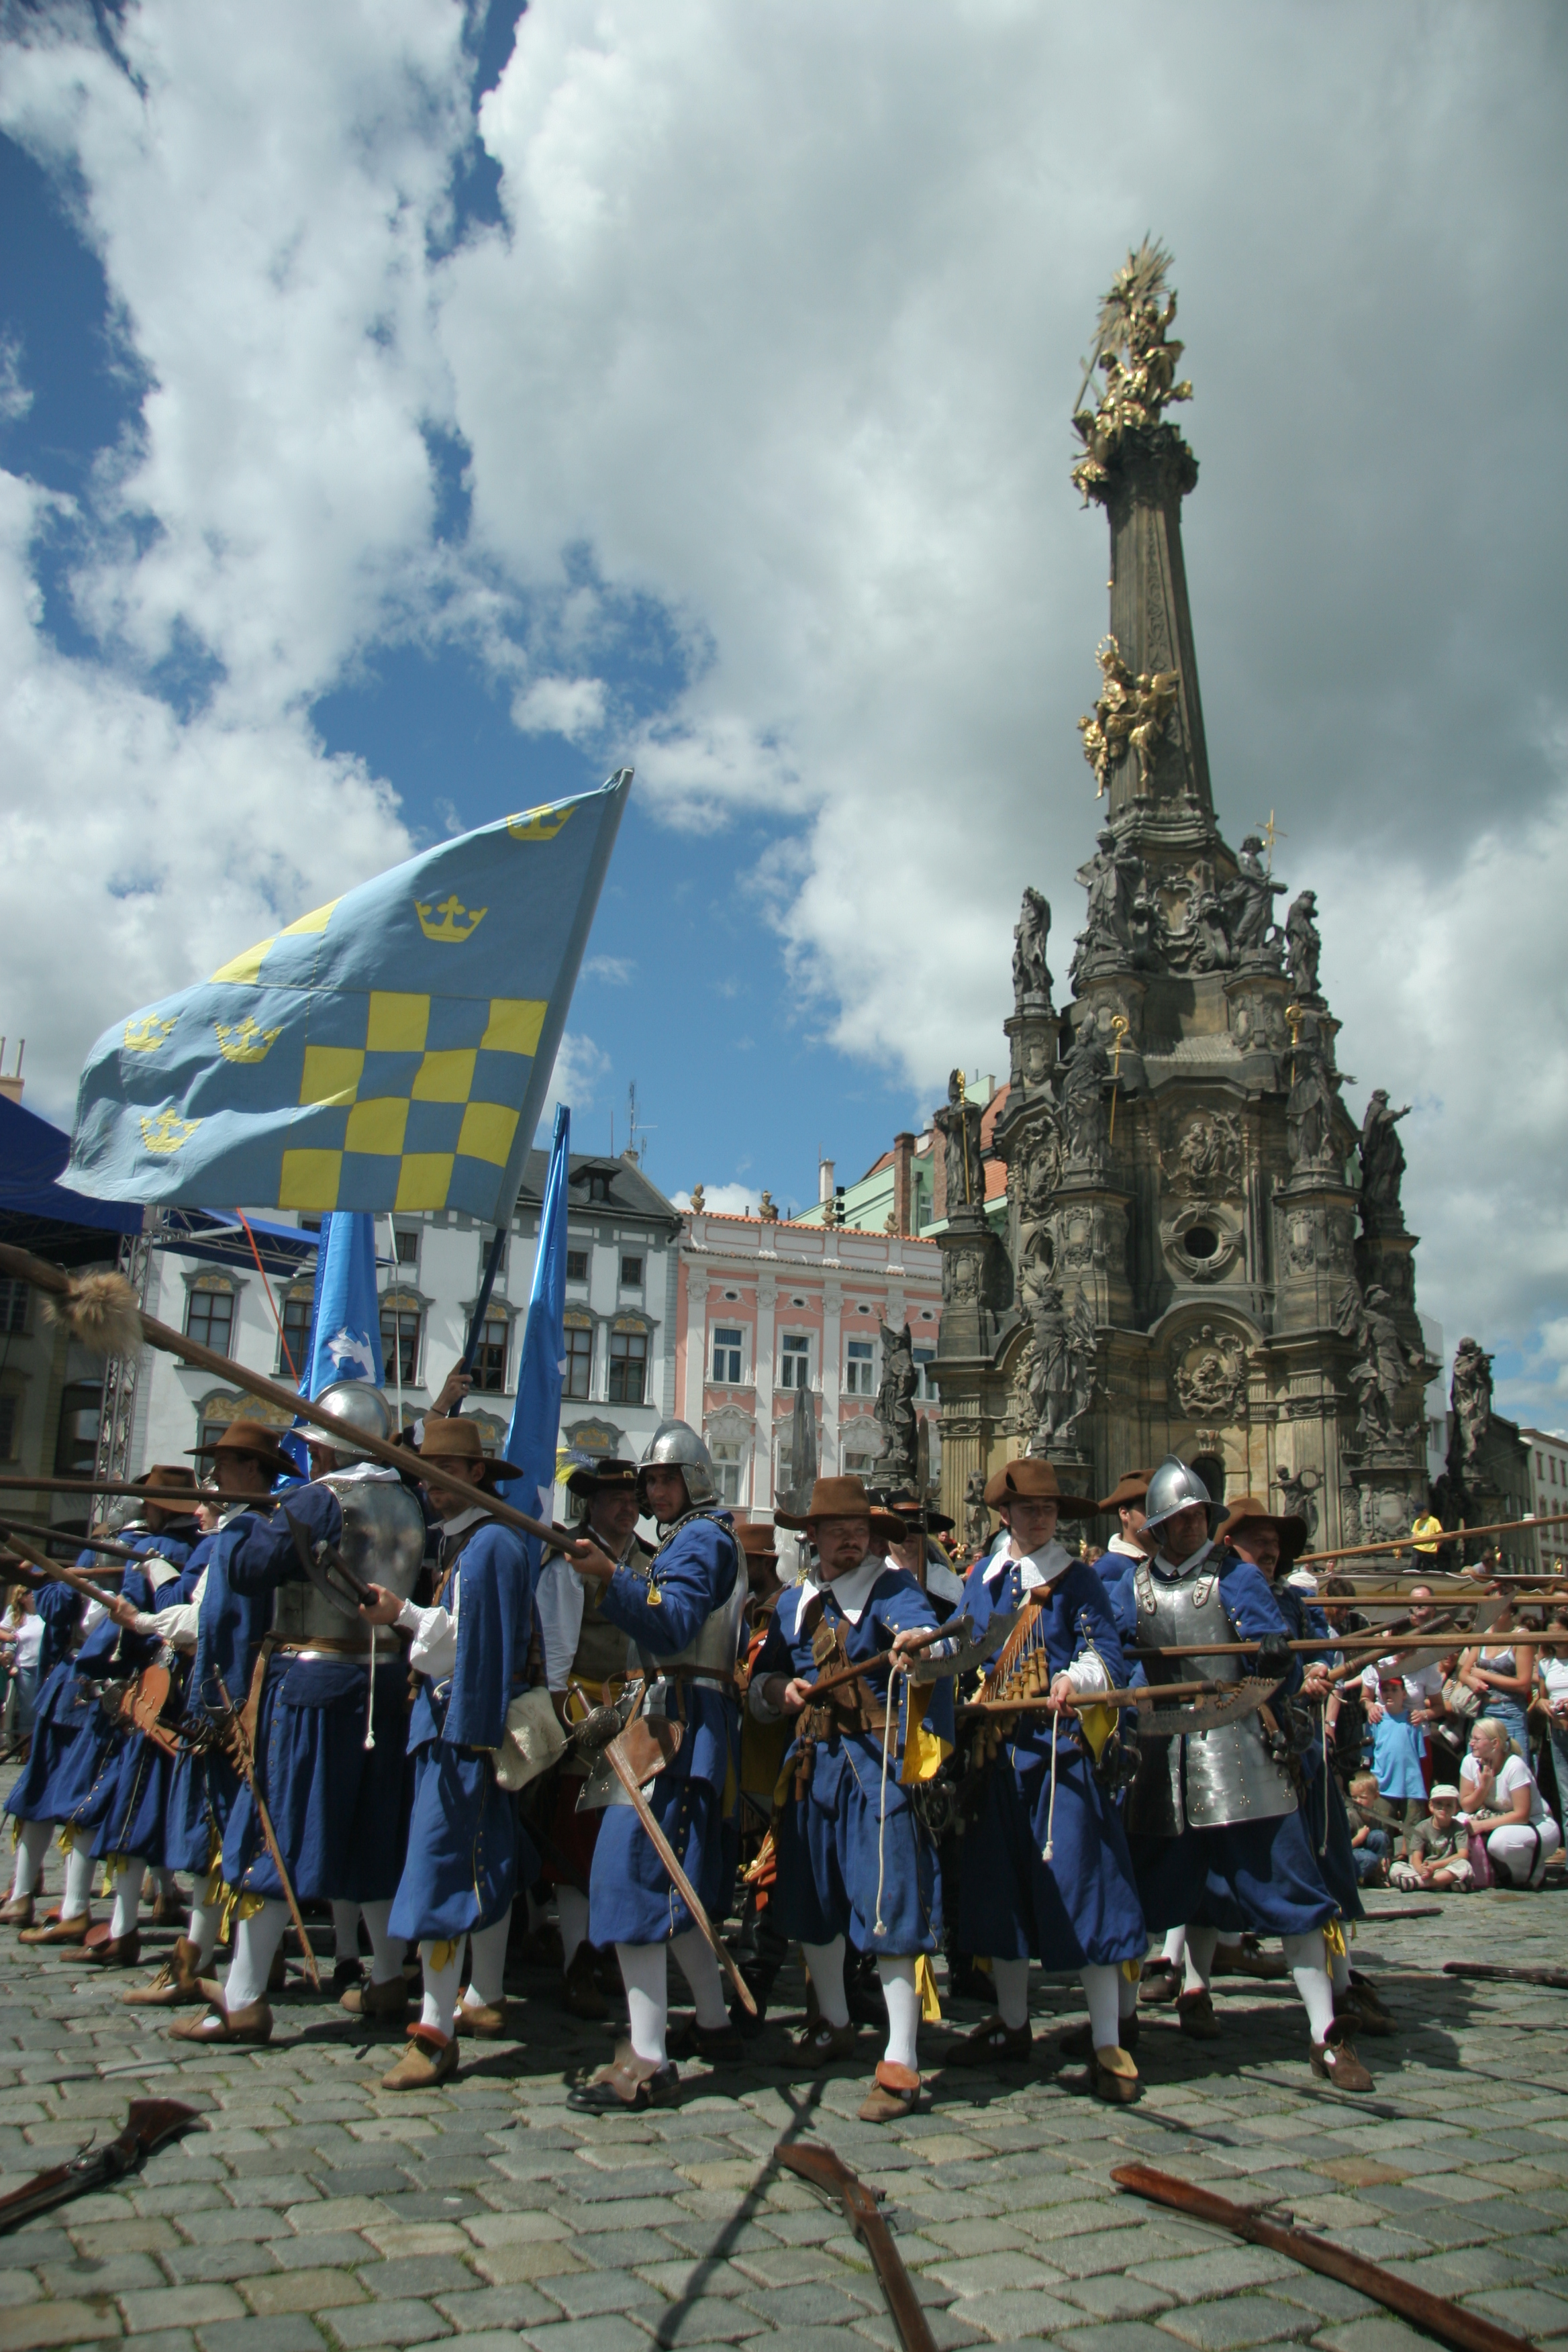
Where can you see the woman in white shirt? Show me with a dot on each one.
(1551, 1688)
(1498, 1796)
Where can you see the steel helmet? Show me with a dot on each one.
(1174, 1487)
(676, 1445)
(358, 1401)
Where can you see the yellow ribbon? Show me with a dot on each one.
(925, 1984)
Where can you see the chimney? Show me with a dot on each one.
(904, 1183)
(824, 1180)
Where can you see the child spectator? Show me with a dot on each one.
(1370, 1842)
(1436, 1848)
(1397, 1748)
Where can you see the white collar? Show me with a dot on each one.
(1184, 1568)
(851, 1593)
(464, 1519)
(1039, 1568)
(1127, 1547)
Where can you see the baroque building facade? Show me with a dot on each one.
(1203, 1254)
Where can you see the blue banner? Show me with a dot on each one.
(390, 1051)
(345, 1316)
(536, 1416)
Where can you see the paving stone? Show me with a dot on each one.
(291, 2333)
(1238, 2319)
(307, 2291)
(1192, 2277)
(389, 2323)
(1007, 2315)
(493, 2307)
(68, 2321)
(180, 2306)
(608, 2334)
(588, 2294)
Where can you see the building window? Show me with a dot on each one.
(579, 1359)
(598, 1184)
(727, 1347)
(489, 1358)
(628, 1366)
(631, 1274)
(296, 1335)
(576, 1266)
(923, 1355)
(407, 1240)
(12, 1306)
(8, 1418)
(400, 1342)
(858, 1368)
(76, 1446)
(795, 1361)
(859, 1464)
(726, 1452)
(210, 1318)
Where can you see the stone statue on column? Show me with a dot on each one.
(1302, 944)
(895, 1406)
(958, 1124)
(1471, 1398)
(1382, 1165)
(1031, 973)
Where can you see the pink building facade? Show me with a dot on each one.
(763, 1309)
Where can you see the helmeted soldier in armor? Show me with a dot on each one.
(584, 1666)
(682, 1614)
(1205, 1810)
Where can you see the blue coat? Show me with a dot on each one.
(136, 1819)
(854, 1858)
(1081, 1909)
(1259, 1875)
(69, 1775)
(336, 1806)
(460, 1871)
(630, 1897)
(230, 1628)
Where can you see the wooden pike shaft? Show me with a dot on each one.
(1151, 1694)
(65, 1535)
(11, 1482)
(56, 1569)
(1449, 1534)
(57, 1283)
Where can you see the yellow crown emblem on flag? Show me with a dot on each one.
(168, 1131)
(538, 823)
(145, 1037)
(246, 1043)
(457, 922)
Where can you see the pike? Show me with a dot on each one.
(150, 2124)
(238, 1749)
(1446, 1535)
(1467, 2331)
(1556, 1979)
(1250, 1695)
(828, 2174)
(46, 1534)
(102, 1312)
(23, 1485)
(55, 1569)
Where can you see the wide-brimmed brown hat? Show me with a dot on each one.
(602, 1478)
(1029, 1480)
(162, 1475)
(840, 1499)
(455, 1438)
(1131, 1487)
(755, 1538)
(905, 1503)
(254, 1438)
(1291, 1531)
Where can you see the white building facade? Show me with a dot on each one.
(1548, 1490)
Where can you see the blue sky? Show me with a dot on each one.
(406, 414)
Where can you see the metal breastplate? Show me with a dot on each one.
(716, 1645)
(1210, 1779)
(383, 1541)
(601, 1651)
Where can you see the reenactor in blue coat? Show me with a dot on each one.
(855, 1859)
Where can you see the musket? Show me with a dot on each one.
(1468, 2331)
(238, 1749)
(164, 1494)
(55, 1569)
(84, 1543)
(616, 1758)
(1149, 1694)
(149, 2124)
(1557, 1978)
(833, 2178)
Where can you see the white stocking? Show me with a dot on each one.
(1100, 1992)
(487, 1964)
(1306, 1958)
(1011, 1979)
(127, 1895)
(1174, 1944)
(571, 1911)
(1199, 1966)
(897, 1975)
(826, 1962)
(700, 1970)
(256, 1942)
(1230, 1937)
(32, 1844)
(345, 1930)
(203, 1933)
(386, 1956)
(646, 1976)
(440, 1991)
(78, 1897)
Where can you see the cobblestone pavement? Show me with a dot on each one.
(316, 2210)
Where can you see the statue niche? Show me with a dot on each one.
(1031, 973)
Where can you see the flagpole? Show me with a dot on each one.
(477, 1320)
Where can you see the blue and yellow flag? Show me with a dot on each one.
(390, 1051)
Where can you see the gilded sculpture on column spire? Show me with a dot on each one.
(1132, 351)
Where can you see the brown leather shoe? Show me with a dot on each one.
(383, 2005)
(175, 1984)
(1114, 2077)
(630, 2082)
(1079, 2043)
(1371, 2003)
(1359, 2017)
(819, 2044)
(720, 2045)
(580, 1993)
(430, 2059)
(218, 2023)
(113, 1951)
(1245, 1959)
(1160, 1984)
(56, 1930)
(485, 2019)
(17, 1912)
(891, 2096)
(1194, 2015)
(991, 2043)
(168, 1910)
(1336, 2062)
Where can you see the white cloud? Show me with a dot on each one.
(15, 397)
(614, 970)
(581, 1067)
(723, 1200)
(572, 706)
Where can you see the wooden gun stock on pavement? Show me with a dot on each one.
(150, 2123)
(827, 2173)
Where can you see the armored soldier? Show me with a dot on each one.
(69, 1776)
(585, 1662)
(682, 1614)
(1205, 1810)
(469, 1655)
(1046, 1868)
(854, 1857)
(327, 1702)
